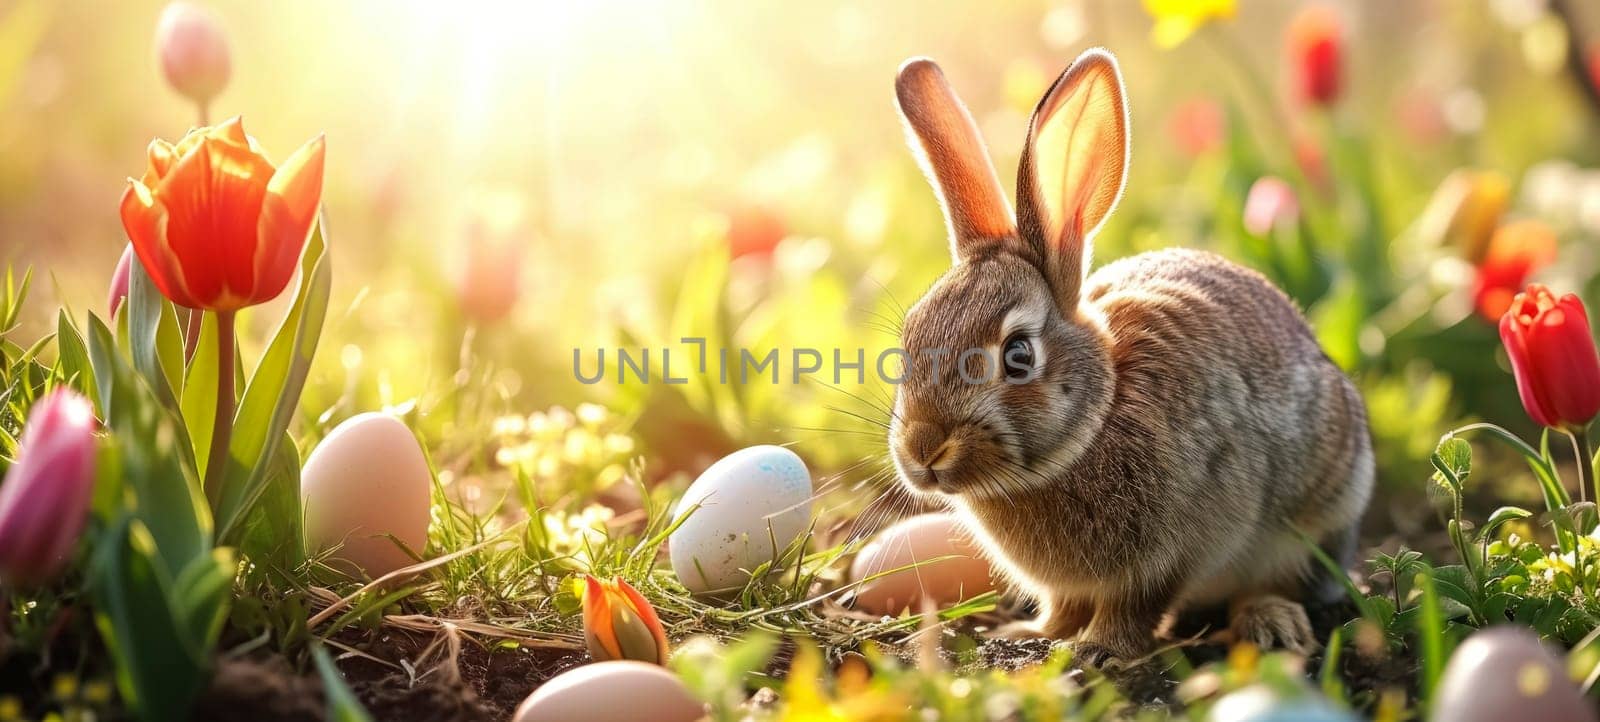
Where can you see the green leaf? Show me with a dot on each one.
(342, 704)
(273, 393)
(1501, 516)
(146, 311)
(165, 494)
(73, 358)
(1453, 458)
(160, 668)
(272, 535)
(199, 404)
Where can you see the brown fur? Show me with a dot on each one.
(1183, 425)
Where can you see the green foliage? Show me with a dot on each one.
(342, 704)
(160, 589)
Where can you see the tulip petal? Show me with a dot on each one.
(213, 197)
(232, 129)
(647, 616)
(162, 157)
(598, 629)
(144, 218)
(288, 212)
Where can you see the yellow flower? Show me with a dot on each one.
(1176, 20)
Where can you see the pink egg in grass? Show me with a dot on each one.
(366, 485)
(930, 555)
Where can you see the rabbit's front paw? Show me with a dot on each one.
(1089, 655)
(1271, 622)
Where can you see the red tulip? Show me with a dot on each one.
(45, 496)
(1553, 356)
(215, 224)
(193, 51)
(1315, 48)
(119, 280)
(1516, 251)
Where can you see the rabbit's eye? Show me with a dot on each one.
(1018, 358)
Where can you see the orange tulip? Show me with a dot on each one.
(618, 623)
(1516, 251)
(215, 224)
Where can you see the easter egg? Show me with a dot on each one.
(1506, 673)
(618, 691)
(1261, 703)
(747, 508)
(366, 481)
(915, 541)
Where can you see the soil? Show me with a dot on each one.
(487, 683)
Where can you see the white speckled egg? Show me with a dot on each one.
(368, 479)
(739, 497)
(961, 571)
(617, 691)
(1506, 673)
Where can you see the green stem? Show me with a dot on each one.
(1586, 459)
(1555, 495)
(191, 334)
(222, 428)
(1579, 460)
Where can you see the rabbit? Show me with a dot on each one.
(1152, 438)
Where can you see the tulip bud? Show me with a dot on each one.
(1197, 126)
(1516, 251)
(193, 51)
(1315, 48)
(44, 498)
(491, 275)
(119, 281)
(1553, 357)
(1271, 204)
(754, 231)
(1465, 210)
(618, 623)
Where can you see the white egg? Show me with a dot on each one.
(616, 691)
(366, 481)
(753, 504)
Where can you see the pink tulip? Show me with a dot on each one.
(119, 280)
(1271, 204)
(193, 51)
(44, 498)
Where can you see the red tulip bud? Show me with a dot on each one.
(119, 280)
(44, 499)
(1315, 50)
(193, 51)
(1553, 356)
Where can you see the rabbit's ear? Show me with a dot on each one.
(1073, 169)
(947, 146)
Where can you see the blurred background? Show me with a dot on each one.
(509, 181)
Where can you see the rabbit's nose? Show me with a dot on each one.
(927, 444)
